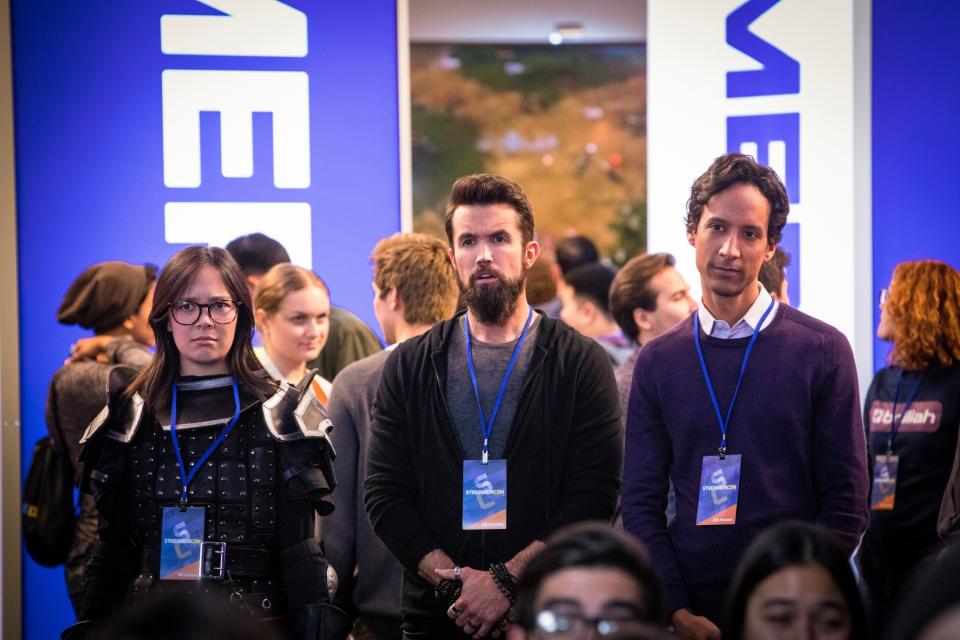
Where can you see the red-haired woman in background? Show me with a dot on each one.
(912, 413)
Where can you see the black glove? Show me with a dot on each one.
(310, 592)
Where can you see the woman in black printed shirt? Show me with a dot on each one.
(911, 413)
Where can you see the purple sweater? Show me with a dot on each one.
(796, 423)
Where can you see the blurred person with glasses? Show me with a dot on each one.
(912, 417)
(207, 476)
(589, 582)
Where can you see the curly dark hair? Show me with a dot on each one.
(736, 168)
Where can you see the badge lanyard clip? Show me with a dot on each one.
(185, 477)
(722, 451)
(894, 423)
(487, 427)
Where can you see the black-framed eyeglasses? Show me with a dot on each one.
(187, 312)
(570, 624)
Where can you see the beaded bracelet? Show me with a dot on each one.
(504, 580)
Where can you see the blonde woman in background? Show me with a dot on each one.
(292, 310)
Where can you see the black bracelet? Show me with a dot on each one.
(447, 591)
(504, 580)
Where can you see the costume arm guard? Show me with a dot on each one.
(311, 584)
(105, 579)
(105, 444)
(299, 422)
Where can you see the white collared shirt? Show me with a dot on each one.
(274, 371)
(745, 326)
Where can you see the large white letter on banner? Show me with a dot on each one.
(250, 28)
(217, 223)
(236, 95)
(745, 76)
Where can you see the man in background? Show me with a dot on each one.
(349, 339)
(585, 294)
(571, 252)
(414, 287)
(773, 276)
(648, 297)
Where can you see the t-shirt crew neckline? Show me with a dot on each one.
(496, 345)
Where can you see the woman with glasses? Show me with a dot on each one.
(912, 414)
(207, 476)
(292, 307)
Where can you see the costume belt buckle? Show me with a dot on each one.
(213, 560)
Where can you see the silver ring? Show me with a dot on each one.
(456, 572)
(454, 613)
(471, 625)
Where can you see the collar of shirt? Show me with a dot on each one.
(745, 326)
(267, 363)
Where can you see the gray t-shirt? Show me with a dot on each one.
(490, 361)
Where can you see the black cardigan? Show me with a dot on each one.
(563, 454)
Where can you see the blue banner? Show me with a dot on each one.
(142, 127)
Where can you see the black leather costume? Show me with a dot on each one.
(261, 489)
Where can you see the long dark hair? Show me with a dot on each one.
(154, 382)
(783, 545)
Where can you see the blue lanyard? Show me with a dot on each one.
(894, 423)
(187, 477)
(743, 368)
(488, 426)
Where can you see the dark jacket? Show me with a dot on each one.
(563, 456)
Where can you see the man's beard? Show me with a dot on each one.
(492, 303)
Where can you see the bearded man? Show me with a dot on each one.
(490, 431)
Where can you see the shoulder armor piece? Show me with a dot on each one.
(121, 414)
(294, 412)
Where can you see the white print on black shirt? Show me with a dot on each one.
(923, 417)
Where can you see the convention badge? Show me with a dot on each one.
(884, 482)
(719, 490)
(484, 495)
(181, 536)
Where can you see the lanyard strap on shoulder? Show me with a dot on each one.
(186, 478)
(724, 423)
(894, 423)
